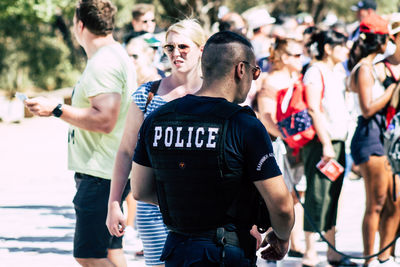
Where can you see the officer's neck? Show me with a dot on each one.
(220, 88)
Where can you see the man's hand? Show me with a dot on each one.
(115, 220)
(41, 106)
(254, 232)
(277, 248)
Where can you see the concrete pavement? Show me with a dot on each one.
(36, 191)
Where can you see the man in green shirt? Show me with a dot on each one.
(97, 114)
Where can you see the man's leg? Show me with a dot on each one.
(116, 256)
(92, 262)
(92, 239)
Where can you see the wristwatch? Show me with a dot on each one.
(57, 111)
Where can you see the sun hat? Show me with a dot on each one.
(259, 18)
(395, 17)
(366, 4)
(374, 24)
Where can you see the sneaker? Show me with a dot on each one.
(388, 263)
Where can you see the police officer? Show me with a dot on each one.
(205, 161)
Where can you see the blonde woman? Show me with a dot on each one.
(184, 45)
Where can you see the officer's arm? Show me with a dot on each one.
(143, 184)
(279, 203)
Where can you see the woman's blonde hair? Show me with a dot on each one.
(190, 28)
(280, 48)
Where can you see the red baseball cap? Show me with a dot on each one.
(374, 24)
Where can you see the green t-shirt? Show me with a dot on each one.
(110, 70)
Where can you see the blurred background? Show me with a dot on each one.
(39, 53)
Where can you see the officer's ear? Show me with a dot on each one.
(240, 70)
(201, 48)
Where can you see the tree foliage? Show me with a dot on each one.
(37, 48)
(33, 50)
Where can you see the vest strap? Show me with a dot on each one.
(226, 237)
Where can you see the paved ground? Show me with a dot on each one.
(36, 190)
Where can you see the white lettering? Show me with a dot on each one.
(196, 141)
(179, 143)
(263, 159)
(168, 136)
(211, 137)
(189, 142)
(157, 135)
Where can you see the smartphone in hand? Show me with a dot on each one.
(332, 169)
(21, 96)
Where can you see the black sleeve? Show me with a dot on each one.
(256, 147)
(141, 156)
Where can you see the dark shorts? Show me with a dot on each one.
(92, 239)
(367, 139)
(184, 251)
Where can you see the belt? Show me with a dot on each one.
(219, 235)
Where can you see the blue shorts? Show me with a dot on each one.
(184, 251)
(367, 139)
(92, 238)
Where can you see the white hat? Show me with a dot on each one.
(395, 17)
(258, 18)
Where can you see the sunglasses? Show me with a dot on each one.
(134, 56)
(182, 48)
(294, 55)
(148, 20)
(255, 69)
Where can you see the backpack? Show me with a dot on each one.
(294, 122)
(392, 107)
(391, 144)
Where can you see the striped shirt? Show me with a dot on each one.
(151, 228)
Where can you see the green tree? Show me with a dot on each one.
(37, 49)
(33, 50)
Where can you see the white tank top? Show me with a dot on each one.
(337, 117)
(377, 90)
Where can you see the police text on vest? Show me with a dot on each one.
(185, 137)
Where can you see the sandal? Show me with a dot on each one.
(343, 262)
(295, 254)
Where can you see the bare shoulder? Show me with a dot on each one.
(272, 82)
(364, 71)
(380, 70)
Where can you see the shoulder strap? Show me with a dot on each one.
(323, 81)
(389, 67)
(153, 90)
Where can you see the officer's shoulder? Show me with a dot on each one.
(246, 117)
(245, 112)
(226, 110)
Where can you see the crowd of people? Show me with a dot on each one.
(346, 74)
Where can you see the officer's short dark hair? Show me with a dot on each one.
(227, 37)
(96, 15)
(221, 53)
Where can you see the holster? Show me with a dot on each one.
(249, 245)
(262, 221)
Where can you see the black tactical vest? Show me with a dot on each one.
(197, 191)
